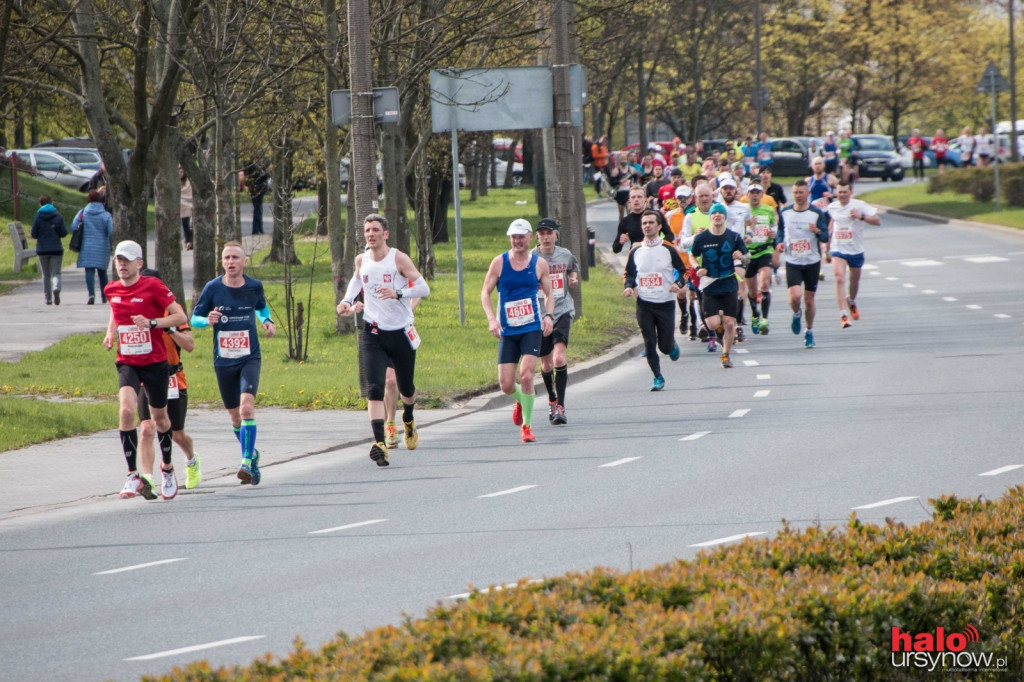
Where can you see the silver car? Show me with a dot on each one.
(55, 168)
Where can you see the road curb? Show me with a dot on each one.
(955, 222)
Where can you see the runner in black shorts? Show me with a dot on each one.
(802, 228)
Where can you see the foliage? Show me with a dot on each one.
(947, 204)
(817, 604)
(980, 183)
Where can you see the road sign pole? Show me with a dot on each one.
(458, 224)
(995, 136)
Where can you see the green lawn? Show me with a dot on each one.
(947, 204)
(453, 361)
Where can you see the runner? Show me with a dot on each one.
(760, 239)
(848, 216)
(695, 222)
(740, 220)
(518, 274)
(654, 274)
(802, 228)
(232, 304)
(629, 230)
(564, 272)
(718, 248)
(384, 273)
(176, 339)
(140, 309)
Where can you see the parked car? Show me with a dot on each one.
(82, 157)
(876, 157)
(664, 145)
(55, 168)
(790, 157)
(80, 142)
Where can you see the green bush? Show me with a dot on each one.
(815, 605)
(980, 183)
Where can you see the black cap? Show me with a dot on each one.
(150, 272)
(548, 224)
(676, 171)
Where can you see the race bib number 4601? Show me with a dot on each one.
(520, 312)
(233, 344)
(132, 340)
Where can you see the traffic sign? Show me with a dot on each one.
(992, 79)
(385, 106)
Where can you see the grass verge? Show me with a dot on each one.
(946, 204)
(24, 421)
(454, 360)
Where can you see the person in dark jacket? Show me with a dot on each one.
(48, 229)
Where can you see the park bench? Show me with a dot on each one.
(22, 254)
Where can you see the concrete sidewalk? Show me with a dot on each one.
(74, 471)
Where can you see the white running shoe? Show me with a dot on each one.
(169, 487)
(133, 486)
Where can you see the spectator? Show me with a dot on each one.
(966, 142)
(917, 148)
(99, 183)
(599, 153)
(48, 229)
(257, 180)
(588, 158)
(940, 145)
(983, 147)
(98, 228)
(763, 151)
(186, 208)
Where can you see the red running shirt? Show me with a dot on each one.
(148, 297)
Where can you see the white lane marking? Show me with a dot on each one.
(739, 413)
(892, 279)
(346, 527)
(731, 538)
(197, 647)
(751, 363)
(973, 306)
(763, 377)
(507, 492)
(740, 350)
(1002, 316)
(883, 503)
(1002, 470)
(873, 272)
(762, 394)
(908, 285)
(496, 588)
(920, 263)
(949, 299)
(138, 566)
(869, 266)
(986, 259)
(928, 291)
(624, 460)
(695, 436)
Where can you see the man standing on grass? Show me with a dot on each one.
(389, 337)
(232, 304)
(519, 326)
(564, 272)
(141, 308)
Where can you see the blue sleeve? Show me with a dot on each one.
(263, 314)
(823, 227)
(198, 321)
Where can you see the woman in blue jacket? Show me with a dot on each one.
(95, 253)
(48, 229)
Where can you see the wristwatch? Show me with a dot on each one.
(549, 315)
(152, 324)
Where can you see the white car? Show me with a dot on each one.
(55, 168)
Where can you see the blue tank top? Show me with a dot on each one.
(818, 187)
(518, 310)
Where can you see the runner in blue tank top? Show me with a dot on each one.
(519, 325)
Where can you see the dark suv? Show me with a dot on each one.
(876, 157)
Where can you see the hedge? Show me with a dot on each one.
(980, 182)
(816, 604)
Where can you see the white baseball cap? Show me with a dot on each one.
(519, 226)
(754, 187)
(726, 182)
(129, 250)
(683, 192)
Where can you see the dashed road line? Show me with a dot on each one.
(346, 527)
(138, 566)
(949, 299)
(1003, 470)
(624, 460)
(1002, 316)
(973, 306)
(197, 647)
(695, 436)
(507, 492)
(884, 503)
(764, 377)
(731, 538)
(751, 363)
(739, 413)
(762, 394)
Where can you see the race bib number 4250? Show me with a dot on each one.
(233, 344)
(132, 340)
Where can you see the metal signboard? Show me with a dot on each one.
(514, 98)
(385, 106)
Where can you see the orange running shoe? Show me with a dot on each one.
(844, 322)
(517, 414)
(527, 433)
(854, 313)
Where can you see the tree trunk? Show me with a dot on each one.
(364, 152)
(227, 228)
(282, 243)
(167, 201)
(424, 232)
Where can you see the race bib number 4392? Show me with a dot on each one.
(233, 344)
(132, 340)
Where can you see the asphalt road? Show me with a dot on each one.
(919, 398)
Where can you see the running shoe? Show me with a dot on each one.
(778, 277)
(693, 336)
(726, 362)
(796, 324)
(711, 343)
(755, 323)
(379, 454)
(684, 322)
(169, 485)
(527, 433)
(552, 405)
(412, 437)
(135, 485)
(764, 327)
(245, 472)
(674, 353)
(643, 353)
(517, 414)
(854, 312)
(659, 383)
(56, 296)
(740, 336)
(390, 435)
(149, 479)
(809, 339)
(559, 419)
(255, 468)
(844, 322)
(193, 474)
(821, 276)
(703, 335)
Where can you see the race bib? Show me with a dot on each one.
(844, 235)
(132, 340)
(761, 233)
(763, 155)
(650, 284)
(173, 393)
(518, 313)
(830, 155)
(233, 344)
(558, 285)
(799, 245)
(413, 336)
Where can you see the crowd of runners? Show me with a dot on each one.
(710, 245)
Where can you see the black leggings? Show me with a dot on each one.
(919, 168)
(658, 326)
(381, 348)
